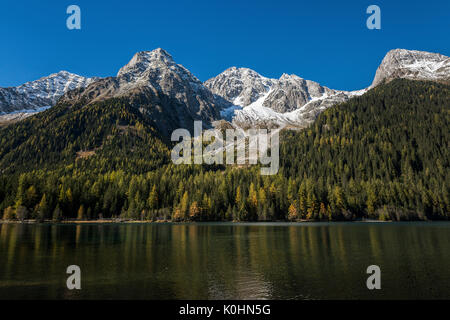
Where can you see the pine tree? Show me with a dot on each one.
(31, 197)
(252, 197)
(8, 213)
(43, 209)
(184, 206)
(292, 212)
(238, 199)
(371, 200)
(302, 201)
(312, 206)
(57, 214)
(322, 211)
(80, 214)
(153, 199)
(206, 206)
(194, 211)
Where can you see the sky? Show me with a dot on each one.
(324, 41)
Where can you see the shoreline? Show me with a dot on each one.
(118, 221)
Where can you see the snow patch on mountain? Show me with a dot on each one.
(256, 114)
(35, 95)
(260, 101)
(241, 86)
(414, 65)
(229, 113)
(294, 101)
(156, 68)
(24, 111)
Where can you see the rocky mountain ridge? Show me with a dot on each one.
(37, 95)
(293, 101)
(173, 97)
(160, 88)
(413, 65)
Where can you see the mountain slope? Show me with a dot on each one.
(258, 115)
(241, 86)
(413, 65)
(263, 102)
(382, 155)
(387, 152)
(65, 134)
(162, 90)
(293, 101)
(37, 95)
(172, 97)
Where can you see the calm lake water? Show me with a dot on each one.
(226, 261)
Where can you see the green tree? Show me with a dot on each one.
(153, 199)
(43, 210)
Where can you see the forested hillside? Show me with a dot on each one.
(112, 134)
(384, 155)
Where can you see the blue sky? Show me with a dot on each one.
(324, 41)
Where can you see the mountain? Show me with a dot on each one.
(413, 65)
(260, 101)
(295, 102)
(172, 97)
(162, 90)
(387, 150)
(381, 155)
(258, 115)
(40, 94)
(241, 86)
(66, 133)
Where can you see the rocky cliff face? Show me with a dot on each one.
(160, 88)
(413, 65)
(260, 101)
(240, 86)
(291, 92)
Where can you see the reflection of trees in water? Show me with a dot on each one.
(227, 261)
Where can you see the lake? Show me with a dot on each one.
(226, 260)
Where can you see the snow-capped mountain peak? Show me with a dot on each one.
(173, 96)
(292, 100)
(241, 86)
(413, 64)
(244, 87)
(289, 77)
(155, 66)
(54, 85)
(39, 94)
(168, 93)
(141, 61)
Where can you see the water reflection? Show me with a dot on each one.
(226, 261)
